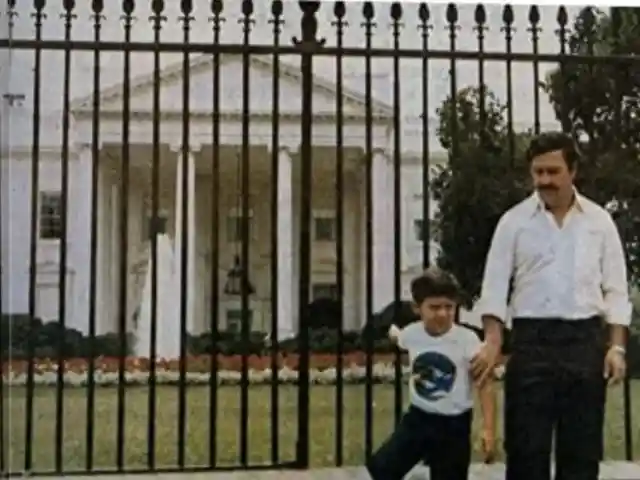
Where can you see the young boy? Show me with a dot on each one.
(437, 426)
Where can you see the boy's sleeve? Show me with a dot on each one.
(404, 337)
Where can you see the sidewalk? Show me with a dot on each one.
(609, 471)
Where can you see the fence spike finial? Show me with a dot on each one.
(97, 7)
(507, 15)
(534, 16)
(216, 7)
(309, 26)
(186, 7)
(368, 11)
(562, 17)
(452, 13)
(396, 11)
(480, 15)
(128, 6)
(277, 8)
(423, 12)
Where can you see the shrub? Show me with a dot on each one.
(49, 339)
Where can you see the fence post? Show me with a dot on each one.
(307, 44)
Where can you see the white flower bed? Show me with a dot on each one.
(352, 374)
(382, 373)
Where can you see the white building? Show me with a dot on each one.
(17, 160)
(110, 198)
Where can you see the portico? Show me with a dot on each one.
(213, 197)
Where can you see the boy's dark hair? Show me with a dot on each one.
(435, 282)
(552, 142)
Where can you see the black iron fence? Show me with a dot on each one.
(79, 402)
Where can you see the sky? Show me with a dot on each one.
(20, 63)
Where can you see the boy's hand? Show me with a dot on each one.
(394, 333)
(488, 446)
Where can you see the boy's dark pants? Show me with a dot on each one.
(554, 379)
(443, 442)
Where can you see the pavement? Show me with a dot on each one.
(608, 471)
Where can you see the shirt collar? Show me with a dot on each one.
(538, 205)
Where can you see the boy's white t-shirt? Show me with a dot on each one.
(441, 380)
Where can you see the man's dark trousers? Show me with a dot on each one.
(554, 379)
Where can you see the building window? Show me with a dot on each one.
(324, 229)
(235, 320)
(50, 216)
(325, 290)
(234, 228)
(418, 229)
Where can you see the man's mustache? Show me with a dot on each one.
(546, 188)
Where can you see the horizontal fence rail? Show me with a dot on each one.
(210, 271)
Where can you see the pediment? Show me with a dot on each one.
(231, 95)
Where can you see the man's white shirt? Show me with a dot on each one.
(574, 271)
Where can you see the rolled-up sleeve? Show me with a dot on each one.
(615, 287)
(498, 270)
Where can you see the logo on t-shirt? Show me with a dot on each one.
(434, 375)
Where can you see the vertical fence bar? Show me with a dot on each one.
(618, 99)
(368, 12)
(97, 8)
(38, 17)
(507, 20)
(425, 28)
(247, 22)
(481, 28)
(157, 18)
(534, 29)
(452, 27)
(186, 8)
(5, 139)
(396, 25)
(5, 145)
(214, 306)
(339, 12)
(68, 16)
(562, 32)
(307, 44)
(277, 8)
(127, 8)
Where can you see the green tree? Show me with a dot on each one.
(485, 175)
(599, 104)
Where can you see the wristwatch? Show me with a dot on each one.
(618, 349)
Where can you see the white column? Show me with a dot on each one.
(114, 264)
(188, 197)
(104, 245)
(286, 225)
(383, 233)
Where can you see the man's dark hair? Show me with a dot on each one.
(435, 282)
(552, 142)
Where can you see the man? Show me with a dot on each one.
(562, 258)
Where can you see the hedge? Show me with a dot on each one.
(50, 339)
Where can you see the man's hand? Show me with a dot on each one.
(615, 366)
(488, 446)
(484, 362)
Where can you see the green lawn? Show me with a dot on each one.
(197, 444)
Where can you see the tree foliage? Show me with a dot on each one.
(486, 174)
(599, 104)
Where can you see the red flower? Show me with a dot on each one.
(198, 364)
